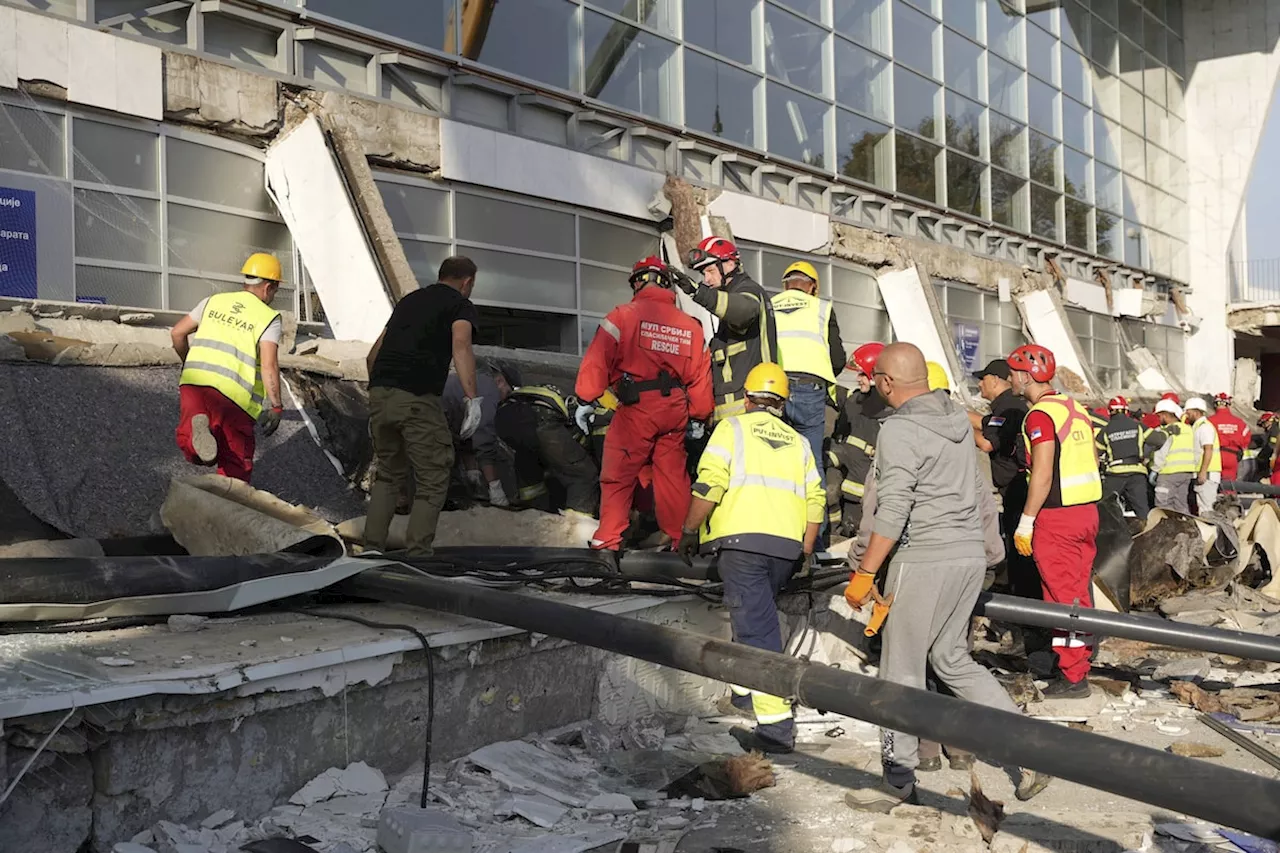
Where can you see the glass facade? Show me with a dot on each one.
(969, 312)
(136, 214)
(1062, 121)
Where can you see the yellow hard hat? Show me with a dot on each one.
(608, 400)
(938, 377)
(802, 267)
(768, 378)
(262, 265)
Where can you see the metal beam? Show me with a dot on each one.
(1223, 795)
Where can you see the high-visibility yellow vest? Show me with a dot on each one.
(543, 395)
(803, 323)
(1076, 480)
(224, 349)
(761, 474)
(1215, 463)
(1181, 456)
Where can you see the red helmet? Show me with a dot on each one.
(1266, 418)
(1036, 360)
(650, 270)
(1169, 395)
(1118, 404)
(1222, 400)
(864, 357)
(712, 250)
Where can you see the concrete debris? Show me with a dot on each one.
(484, 525)
(577, 842)
(130, 847)
(210, 515)
(187, 624)
(217, 819)
(1190, 749)
(1187, 669)
(359, 778)
(612, 804)
(537, 809)
(523, 767)
(114, 661)
(49, 548)
(410, 830)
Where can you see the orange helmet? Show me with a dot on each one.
(864, 357)
(1036, 360)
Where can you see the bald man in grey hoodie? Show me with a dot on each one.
(928, 529)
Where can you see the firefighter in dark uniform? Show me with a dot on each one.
(1124, 472)
(1000, 435)
(745, 336)
(536, 422)
(1268, 437)
(853, 440)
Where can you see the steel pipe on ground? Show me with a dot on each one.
(1230, 797)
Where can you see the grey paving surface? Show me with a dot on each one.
(90, 450)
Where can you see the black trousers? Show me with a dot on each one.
(1132, 489)
(546, 447)
(1024, 577)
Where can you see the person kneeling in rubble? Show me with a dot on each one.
(550, 452)
(928, 528)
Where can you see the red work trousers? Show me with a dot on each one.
(650, 432)
(1230, 465)
(231, 426)
(1064, 546)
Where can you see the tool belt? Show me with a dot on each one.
(629, 389)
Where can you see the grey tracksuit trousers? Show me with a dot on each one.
(932, 608)
(1171, 492)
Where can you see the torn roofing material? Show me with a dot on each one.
(91, 451)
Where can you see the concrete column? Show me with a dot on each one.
(1232, 66)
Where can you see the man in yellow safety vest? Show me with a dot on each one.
(1174, 459)
(1059, 523)
(1208, 451)
(759, 495)
(811, 352)
(231, 371)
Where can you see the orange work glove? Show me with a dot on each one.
(879, 612)
(859, 589)
(1022, 536)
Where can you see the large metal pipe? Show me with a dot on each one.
(1004, 608)
(1198, 788)
(1243, 487)
(1129, 626)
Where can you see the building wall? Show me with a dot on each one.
(1232, 67)
(554, 199)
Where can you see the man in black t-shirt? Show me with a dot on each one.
(408, 367)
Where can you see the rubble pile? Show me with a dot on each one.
(574, 789)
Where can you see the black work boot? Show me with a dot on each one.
(753, 741)
(1061, 688)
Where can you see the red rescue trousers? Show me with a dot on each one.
(650, 432)
(1064, 546)
(231, 426)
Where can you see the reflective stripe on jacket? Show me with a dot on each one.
(803, 325)
(1181, 456)
(1075, 478)
(744, 338)
(1122, 438)
(542, 395)
(761, 475)
(224, 349)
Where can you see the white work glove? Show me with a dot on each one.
(497, 496)
(1022, 536)
(696, 430)
(582, 417)
(471, 420)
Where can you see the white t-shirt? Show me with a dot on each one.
(273, 334)
(1204, 434)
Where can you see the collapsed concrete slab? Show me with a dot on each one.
(211, 515)
(484, 525)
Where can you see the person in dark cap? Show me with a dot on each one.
(1000, 435)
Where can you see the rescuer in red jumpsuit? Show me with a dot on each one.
(1233, 435)
(655, 359)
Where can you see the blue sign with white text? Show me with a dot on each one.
(968, 337)
(17, 243)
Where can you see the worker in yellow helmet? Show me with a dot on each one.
(810, 351)
(231, 370)
(760, 498)
(937, 377)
